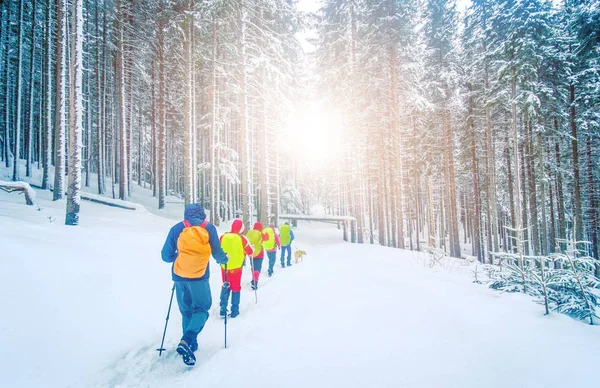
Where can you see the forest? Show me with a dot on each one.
(471, 129)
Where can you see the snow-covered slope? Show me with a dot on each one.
(85, 306)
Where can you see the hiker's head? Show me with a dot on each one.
(237, 227)
(194, 211)
(258, 226)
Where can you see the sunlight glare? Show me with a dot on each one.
(313, 134)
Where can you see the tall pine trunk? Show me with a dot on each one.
(32, 89)
(187, 109)
(75, 116)
(162, 144)
(451, 183)
(244, 145)
(576, 175)
(7, 90)
(18, 76)
(121, 103)
(476, 242)
(47, 135)
(60, 101)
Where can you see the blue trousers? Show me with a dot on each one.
(288, 249)
(194, 300)
(272, 258)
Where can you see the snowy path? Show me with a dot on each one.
(91, 301)
(354, 316)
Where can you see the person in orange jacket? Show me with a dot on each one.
(236, 246)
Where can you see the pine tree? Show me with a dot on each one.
(75, 116)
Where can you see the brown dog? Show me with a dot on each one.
(298, 255)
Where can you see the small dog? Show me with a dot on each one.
(298, 255)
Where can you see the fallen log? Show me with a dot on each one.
(21, 187)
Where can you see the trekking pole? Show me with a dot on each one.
(161, 349)
(252, 269)
(226, 285)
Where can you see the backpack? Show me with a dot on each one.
(270, 243)
(285, 236)
(255, 238)
(233, 246)
(194, 251)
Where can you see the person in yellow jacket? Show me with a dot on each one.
(236, 246)
(286, 236)
(271, 246)
(256, 238)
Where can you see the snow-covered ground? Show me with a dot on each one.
(85, 307)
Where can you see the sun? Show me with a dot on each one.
(313, 134)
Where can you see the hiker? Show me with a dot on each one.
(271, 245)
(286, 236)
(256, 238)
(189, 246)
(236, 246)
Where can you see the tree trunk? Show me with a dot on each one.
(476, 196)
(122, 101)
(525, 241)
(576, 178)
(511, 174)
(18, 76)
(214, 136)
(47, 134)
(533, 209)
(60, 101)
(187, 109)
(451, 182)
(162, 144)
(515, 136)
(75, 116)
(7, 90)
(32, 89)
(544, 222)
(562, 230)
(101, 101)
(593, 204)
(244, 143)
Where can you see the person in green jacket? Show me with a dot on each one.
(286, 236)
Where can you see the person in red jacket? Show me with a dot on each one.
(236, 246)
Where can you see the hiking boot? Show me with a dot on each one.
(270, 273)
(289, 264)
(194, 347)
(188, 355)
(234, 314)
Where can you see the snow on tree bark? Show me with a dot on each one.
(75, 116)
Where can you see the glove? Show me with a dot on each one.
(224, 261)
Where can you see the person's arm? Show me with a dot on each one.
(248, 248)
(215, 245)
(277, 240)
(169, 251)
(292, 235)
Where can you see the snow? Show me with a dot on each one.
(86, 306)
